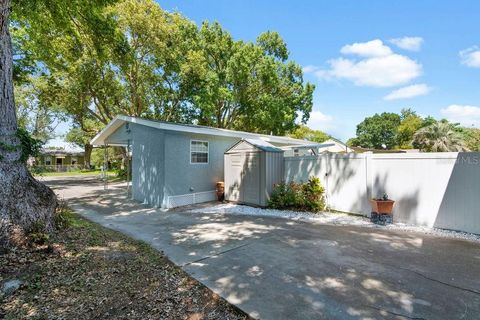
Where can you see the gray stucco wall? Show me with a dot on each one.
(148, 165)
(161, 162)
(121, 136)
(148, 161)
(183, 177)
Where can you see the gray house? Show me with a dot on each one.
(176, 164)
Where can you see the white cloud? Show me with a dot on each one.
(309, 69)
(464, 114)
(374, 48)
(319, 121)
(414, 90)
(377, 67)
(471, 57)
(408, 43)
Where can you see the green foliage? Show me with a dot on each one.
(38, 107)
(307, 196)
(378, 131)
(472, 138)
(410, 123)
(249, 86)
(37, 233)
(64, 217)
(131, 57)
(305, 133)
(409, 130)
(312, 194)
(441, 136)
(30, 146)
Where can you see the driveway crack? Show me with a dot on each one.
(438, 281)
(217, 254)
(395, 313)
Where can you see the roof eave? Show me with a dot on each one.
(99, 139)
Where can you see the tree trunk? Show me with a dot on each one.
(88, 155)
(24, 202)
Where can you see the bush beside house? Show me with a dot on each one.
(308, 196)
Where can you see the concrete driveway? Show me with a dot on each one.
(275, 268)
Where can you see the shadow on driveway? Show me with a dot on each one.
(276, 268)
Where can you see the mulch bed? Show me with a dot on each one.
(90, 272)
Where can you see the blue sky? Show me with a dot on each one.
(438, 67)
(348, 50)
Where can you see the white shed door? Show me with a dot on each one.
(235, 176)
(250, 189)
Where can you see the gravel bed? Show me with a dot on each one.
(332, 218)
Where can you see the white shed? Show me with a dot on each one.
(252, 168)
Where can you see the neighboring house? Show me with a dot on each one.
(331, 145)
(335, 146)
(59, 160)
(176, 164)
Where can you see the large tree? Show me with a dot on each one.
(24, 202)
(378, 131)
(249, 86)
(38, 111)
(68, 43)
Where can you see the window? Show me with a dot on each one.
(296, 152)
(198, 151)
(48, 161)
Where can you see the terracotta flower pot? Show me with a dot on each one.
(220, 189)
(382, 206)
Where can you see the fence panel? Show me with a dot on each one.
(430, 189)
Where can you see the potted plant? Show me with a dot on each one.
(382, 205)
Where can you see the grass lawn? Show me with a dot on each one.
(90, 272)
(112, 175)
(74, 173)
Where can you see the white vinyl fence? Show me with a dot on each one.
(430, 189)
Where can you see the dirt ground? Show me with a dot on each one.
(90, 272)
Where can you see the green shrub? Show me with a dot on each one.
(63, 216)
(313, 195)
(308, 196)
(285, 196)
(37, 233)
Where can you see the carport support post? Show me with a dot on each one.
(128, 167)
(105, 166)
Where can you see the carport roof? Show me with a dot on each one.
(258, 143)
(118, 121)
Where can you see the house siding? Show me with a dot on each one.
(183, 177)
(148, 173)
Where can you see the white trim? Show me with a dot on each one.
(191, 198)
(118, 121)
(208, 151)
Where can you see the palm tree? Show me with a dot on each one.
(439, 137)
